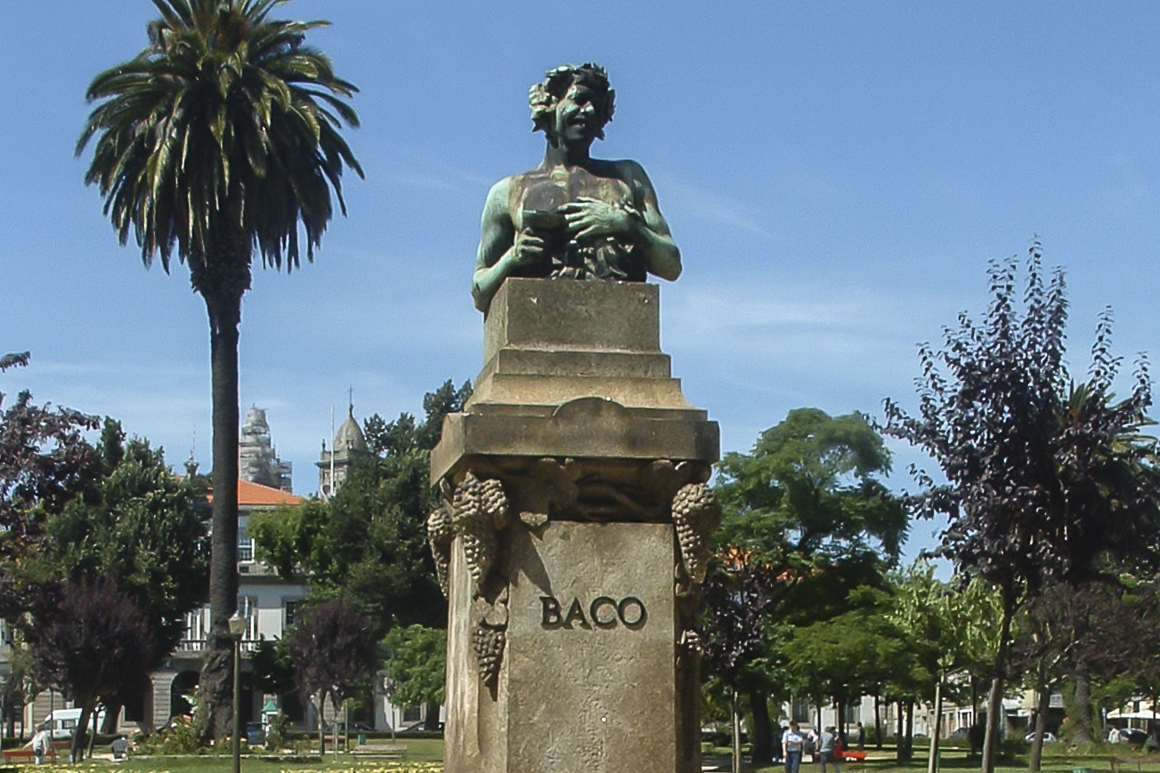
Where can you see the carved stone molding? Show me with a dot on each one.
(597, 490)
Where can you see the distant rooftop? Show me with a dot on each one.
(256, 495)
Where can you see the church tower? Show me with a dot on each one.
(333, 465)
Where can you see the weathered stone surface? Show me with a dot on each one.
(589, 670)
(571, 643)
(609, 677)
(574, 369)
(586, 427)
(596, 316)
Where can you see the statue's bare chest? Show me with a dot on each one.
(537, 198)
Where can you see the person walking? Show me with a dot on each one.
(828, 745)
(40, 745)
(791, 747)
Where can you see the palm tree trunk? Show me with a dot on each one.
(223, 300)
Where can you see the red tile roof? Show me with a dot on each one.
(257, 495)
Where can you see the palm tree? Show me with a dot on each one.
(219, 139)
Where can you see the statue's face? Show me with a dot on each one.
(576, 121)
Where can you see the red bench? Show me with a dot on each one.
(26, 754)
(845, 755)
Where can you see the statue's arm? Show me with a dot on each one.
(496, 242)
(651, 232)
(641, 224)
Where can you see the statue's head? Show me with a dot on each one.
(547, 94)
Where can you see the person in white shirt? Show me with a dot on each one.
(791, 747)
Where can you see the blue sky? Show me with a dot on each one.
(836, 174)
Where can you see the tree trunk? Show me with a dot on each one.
(112, 713)
(77, 745)
(321, 723)
(337, 717)
(909, 730)
(936, 730)
(735, 719)
(431, 719)
(991, 734)
(761, 734)
(974, 737)
(1043, 704)
(223, 300)
(1081, 721)
(878, 722)
(899, 736)
(995, 700)
(840, 719)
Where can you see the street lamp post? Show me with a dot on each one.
(237, 628)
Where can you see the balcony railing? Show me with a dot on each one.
(201, 645)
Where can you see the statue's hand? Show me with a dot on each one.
(528, 249)
(588, 218)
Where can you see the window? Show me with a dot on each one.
(291, 611)
(800, 711)
(245, 544)
(412, 713)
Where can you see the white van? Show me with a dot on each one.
(63, 722)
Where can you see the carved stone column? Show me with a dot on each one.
(572, 539)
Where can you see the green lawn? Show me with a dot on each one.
(1055, 760)
(425, 756)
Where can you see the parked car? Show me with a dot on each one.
(255, 734)
(1047, 738)
(355, 727)
(62, 722)
(1134, 736)
(962, 734)
(414, 727)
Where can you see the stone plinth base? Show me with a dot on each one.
(572, 540)
(589, 676)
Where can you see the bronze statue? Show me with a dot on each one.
(573, 216)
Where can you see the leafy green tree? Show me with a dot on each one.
(273, 666)
(807, 508)
(146, 532)
(851, 654)
(368, 543)
(951, 627)
(1045, 480)
(221, 138)
(416, 668)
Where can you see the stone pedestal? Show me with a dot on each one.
(572, 539)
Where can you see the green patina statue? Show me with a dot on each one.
(573, 216)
